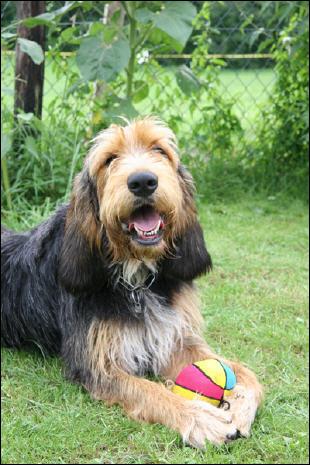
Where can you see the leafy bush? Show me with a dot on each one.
(279, 156)
(257, 25)
(43, 167)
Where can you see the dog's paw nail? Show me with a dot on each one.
(243, 434)
(233, 436)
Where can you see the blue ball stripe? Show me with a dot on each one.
(231, 380)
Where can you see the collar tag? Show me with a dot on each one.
(136, 293)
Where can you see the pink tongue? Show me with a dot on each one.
(145, 219)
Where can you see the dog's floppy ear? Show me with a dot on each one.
(82, 264)
(189, 257)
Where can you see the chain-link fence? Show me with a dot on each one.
(237, 33)
(240, 37)
(215, 94)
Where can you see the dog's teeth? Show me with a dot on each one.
(148, 234)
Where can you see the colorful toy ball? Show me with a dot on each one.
(208, 380)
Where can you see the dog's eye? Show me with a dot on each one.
(159, 150)
(110, 159)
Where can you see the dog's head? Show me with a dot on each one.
(134, 200)
(141, 193)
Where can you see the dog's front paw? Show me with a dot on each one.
(243, 407)
(201, 421)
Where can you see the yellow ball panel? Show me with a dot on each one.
(190, 395)
(214, 370)
(184, 392)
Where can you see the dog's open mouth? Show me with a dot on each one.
(146, 226)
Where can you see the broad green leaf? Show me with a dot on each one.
(175, 19)
(141, 91)
(6, 144)
(121, 107)
(68, 33)
(71, 36)
(127, 109)
(163, 42)
(143, 15)
(33, 49)
(110, 33)
(186, 80)
(97, 60)
(103, 32)
(116, 16)
(47, 19)
(96, 28)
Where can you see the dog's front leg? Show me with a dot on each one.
(247, 394)
(151, 402)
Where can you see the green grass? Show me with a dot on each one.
(255, 308)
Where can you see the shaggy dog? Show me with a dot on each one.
(107, 284)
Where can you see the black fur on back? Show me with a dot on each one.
(46, 302)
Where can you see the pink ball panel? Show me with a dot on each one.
(194, 380)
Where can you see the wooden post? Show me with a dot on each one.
(29, 77)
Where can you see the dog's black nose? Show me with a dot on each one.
(143, 183)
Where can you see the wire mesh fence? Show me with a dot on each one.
(240, 37)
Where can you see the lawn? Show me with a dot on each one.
(255, 307)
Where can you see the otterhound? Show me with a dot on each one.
(107, 284)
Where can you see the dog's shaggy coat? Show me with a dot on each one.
(106, 283)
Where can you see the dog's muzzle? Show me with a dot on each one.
(142, 184)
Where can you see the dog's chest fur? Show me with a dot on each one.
(147, 343)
